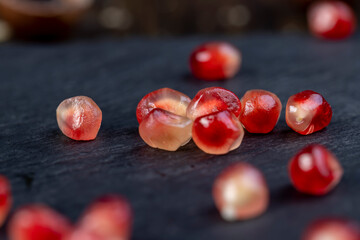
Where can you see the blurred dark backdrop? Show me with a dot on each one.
(175, 17)
(183, 17)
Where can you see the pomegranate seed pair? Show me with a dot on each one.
(332, 229)
(108, 218)
(240, 192)
(332, 20)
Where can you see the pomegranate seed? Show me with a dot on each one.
(38, 222)
(260, 111)
(315, 170)
(79, 118)
(331, 20)
(332, 229)
(218, 133)
(215, 61)
(240, 192)
(213, 99)
(308, 112)
(165, 130)
(5, 199)
(164, 98)
(110, 217)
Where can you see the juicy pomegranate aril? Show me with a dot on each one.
(217, 133)
(164, 98)
(332, 229)
(260, 111)
(308, 112)
(213, 99)
(79, 118)
(240, 192)
(109, 217)
(37, 222)
(215, 61)
(315, 170)
(332, 20)
(5, 199)
(165, 130)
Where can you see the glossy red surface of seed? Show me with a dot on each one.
(79, 118)
(165, 130)
(260, 111)
(240, 192)
(5, 199)
(215, 61)
(308, 112)
(315, 170)
(331, 20)
(213, 99)
(217, 133)
(109, 217)
(332, 229)
(164, 98)
(37, 222)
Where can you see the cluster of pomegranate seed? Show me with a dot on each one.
(108, 218)
(332, 20)
(215, 117)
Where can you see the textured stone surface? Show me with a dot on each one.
(171, 192)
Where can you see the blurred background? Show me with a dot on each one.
(161, 17)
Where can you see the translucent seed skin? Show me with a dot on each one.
(211, 100)
(37, 222)
(109, 217)
(5, 199)
(79, 118)
(308, 112)
(215, 61)
(217, 133)
(240, 192)
(332, 20)
(315, 170)
(260, 111)
(164, 98)
(332, 229)
(165, 130)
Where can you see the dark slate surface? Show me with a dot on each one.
(171, 192)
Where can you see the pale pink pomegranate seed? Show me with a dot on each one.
(165, 130)
(240, 192)
(79, 118)
(332, 229)
(164, 98)
(109, 217)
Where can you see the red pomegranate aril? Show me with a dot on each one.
(165, 130)
(308, 112)
(240, 192)
(217, 133)
(5, 199)
(332, 20)
(213, 99)
(315, 170)
(260, 111)
(79, 118)
(332, 229)
(215, 61)
(164, 98)
(109, 217)
(37, 222)
(80, 234)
